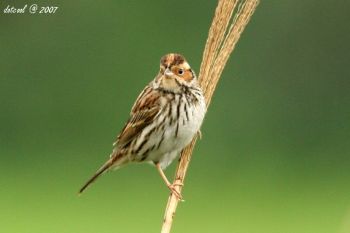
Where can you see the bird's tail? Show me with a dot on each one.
(113, 161)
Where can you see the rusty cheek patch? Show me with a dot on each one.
(187, 76)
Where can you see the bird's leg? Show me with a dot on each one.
(170, 185)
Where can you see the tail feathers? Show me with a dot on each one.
(99, 172)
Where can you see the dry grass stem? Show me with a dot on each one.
(227, 26)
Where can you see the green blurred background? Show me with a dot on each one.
(275, 152)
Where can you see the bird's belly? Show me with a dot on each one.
(173, 133)
(174, 140)
(177, 136)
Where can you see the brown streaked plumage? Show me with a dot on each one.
(172, 59)
(163, 120)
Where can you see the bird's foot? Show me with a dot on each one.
(174, 191)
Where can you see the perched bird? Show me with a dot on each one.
(165, 117)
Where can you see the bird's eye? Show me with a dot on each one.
(180, 72)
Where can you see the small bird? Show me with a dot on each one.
(165, 117)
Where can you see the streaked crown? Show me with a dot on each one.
(172, 59)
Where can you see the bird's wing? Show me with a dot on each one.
(145, 109)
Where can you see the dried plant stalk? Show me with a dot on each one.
(224, 33)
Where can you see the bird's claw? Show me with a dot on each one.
(172, 188)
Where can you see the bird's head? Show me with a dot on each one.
(175, 72)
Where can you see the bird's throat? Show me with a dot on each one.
(170, 84)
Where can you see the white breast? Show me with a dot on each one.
(177, 137)
(172, 135)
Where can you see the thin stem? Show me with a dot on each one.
(221, 41)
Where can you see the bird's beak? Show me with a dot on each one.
(168, 73)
